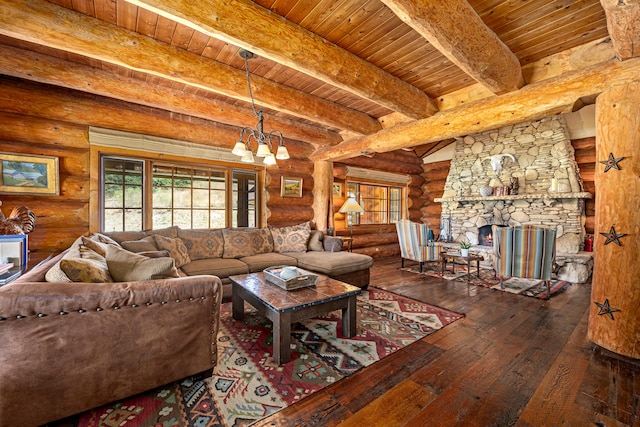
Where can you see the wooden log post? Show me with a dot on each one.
(616, 274)
(322, 191)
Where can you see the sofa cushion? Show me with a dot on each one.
(261, 240)
(176, 248)
(259, 262)
(221, 267)
(125, 266)
(315, 241)
(202, 244)
(332, 263)
(86, 270)
(237, 243)
(292, 238)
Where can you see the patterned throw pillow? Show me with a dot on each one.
(291, 239)
(237, 243)
(176, 248)
(96, 245)
(55, 273)
(261, 240)
(125, 266)
(86, 270)
(202, 244)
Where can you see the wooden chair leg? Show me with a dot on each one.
(548, 282)
(402, 265)
(420, 266)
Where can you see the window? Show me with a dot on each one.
(183, 195)
(382, 204)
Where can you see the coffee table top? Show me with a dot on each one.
(325, 289)
(457, 255)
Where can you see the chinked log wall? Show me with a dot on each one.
(380, 240)
(41, 119)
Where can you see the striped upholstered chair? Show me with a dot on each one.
(526, 251)
(414, 243)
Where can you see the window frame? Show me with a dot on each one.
(402, 213)
(96, 220)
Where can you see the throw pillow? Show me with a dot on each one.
(203, 244)
(142, 245)
(176, 248)
(104, 239)
(315, 241)
(155, 254)
(86, 270)
(55, 273)
(261, 240)
(237, 243)
(125, 266)
(96, 245)
(291, 239)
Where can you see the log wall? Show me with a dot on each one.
(380, 240)
(435, 176)
(42, 119)
(585, 152)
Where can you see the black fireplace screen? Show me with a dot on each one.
(485, 237)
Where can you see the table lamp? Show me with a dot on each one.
(351, 206)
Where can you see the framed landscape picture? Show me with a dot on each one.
(291, 187)
(337, 189)
(29, 174)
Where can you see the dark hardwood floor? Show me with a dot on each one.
(512, 361)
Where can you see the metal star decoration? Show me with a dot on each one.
(605, 308)
(611, 162)
(612, 236)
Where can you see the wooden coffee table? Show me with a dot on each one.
(466, 259)
(286, 307)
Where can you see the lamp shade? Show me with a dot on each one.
(351, 206)
(239, 149)
(282, 153)
(263, 150)
(269, 159)
(248, 157)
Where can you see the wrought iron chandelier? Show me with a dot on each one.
(263, 141)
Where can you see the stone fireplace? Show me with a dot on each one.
(549, 185)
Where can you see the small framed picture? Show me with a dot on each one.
(290, 187)
(337, 189)
(29, 175)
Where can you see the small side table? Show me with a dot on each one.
(466, 259)
(348, 241)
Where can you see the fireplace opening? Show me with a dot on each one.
(485, 237)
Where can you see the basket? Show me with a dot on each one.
(303, 279)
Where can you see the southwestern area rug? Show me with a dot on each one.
(247, 386)
(515, 285)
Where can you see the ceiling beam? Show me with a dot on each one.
(623, 23)
(533, 102)
(457, 31)
(42, 68)
(250, 26)
(47, 24)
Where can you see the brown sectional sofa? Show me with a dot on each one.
(71, 346)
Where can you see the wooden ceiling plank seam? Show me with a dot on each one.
(106, 11)
(126, 19)
(182, 36)
(354, 24)
(623, 22)
(551, 27)
(455, 29)
(320, 12)
(533, 102)
(84, 6)
(165, 30)
(24, 19)
(198, 43)
(287, 43)
(531, 53)
(336, 19)
(147, 23)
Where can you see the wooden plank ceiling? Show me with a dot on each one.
(325, 70)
